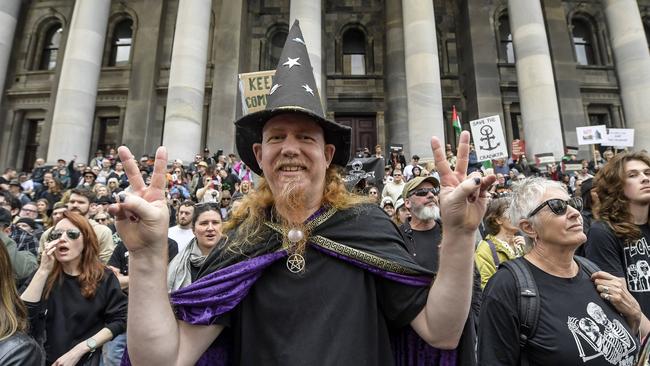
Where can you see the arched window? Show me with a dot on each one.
(121, 43)
(583, 42)
(51, 47)
(354, 52)
(275, 47)
(506, 48)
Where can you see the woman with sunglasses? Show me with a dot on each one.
(206, 225)
(583, 320)
(618, 241)
(75, 302)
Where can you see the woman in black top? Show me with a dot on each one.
(75, 303)
(583, 320)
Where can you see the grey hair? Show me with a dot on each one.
(526, 196)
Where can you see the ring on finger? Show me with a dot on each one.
(606, 289)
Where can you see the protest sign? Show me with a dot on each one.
(623, 137)
(571, 166)
(591, 134)
(254, 87)
(489, 141)
(571, 150)
(518, 148)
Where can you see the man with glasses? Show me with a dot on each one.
(423, 231)
(394, 189)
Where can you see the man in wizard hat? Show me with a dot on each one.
(308, 274)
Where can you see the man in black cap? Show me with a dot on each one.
(305, 261)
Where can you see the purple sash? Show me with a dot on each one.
(219, 292)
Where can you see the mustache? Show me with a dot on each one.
(291, 162)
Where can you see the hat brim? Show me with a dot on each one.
(248, 131)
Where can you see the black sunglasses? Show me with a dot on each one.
(559, 206)
(71, 233)
(423, 192)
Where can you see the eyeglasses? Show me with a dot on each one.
(28, 210)
(373, 193)
(397, 175)
(70, 233)
(177, 171)
(423, 192)
(558, 206)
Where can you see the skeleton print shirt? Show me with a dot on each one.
(576, 326)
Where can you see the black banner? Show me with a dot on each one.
(369, 169)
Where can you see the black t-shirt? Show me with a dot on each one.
(424, 245)
(631, 261)
(334, 313)
(70, 318)
(576, 326)
(120, 257)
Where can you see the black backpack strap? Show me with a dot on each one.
(493, 249)
(528, 301)
(589, 266)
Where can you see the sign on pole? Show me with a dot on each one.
(254, 87)
(544, 158)
(591, 134)
(623, 137)
(489, 141)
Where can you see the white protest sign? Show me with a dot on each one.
(591, 134)
(623, 137)
(489, 141)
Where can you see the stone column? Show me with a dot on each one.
(507, 121)
(425, 115)
(537, 96)
(74, 109)
(185, 97)
(632, 65)
(9, 10)
(309, 14)
(141, 131)
(223, 106)
(396, 117)
(616, 118)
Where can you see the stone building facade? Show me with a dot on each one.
(77, 76)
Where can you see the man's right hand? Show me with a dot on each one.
(142, 217)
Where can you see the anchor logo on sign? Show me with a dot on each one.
(487, 132)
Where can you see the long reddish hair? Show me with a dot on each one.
(13, 314)
(92, 270)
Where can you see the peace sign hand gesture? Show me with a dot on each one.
(463, 199)
(142, 217)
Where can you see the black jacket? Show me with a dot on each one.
(21, 350)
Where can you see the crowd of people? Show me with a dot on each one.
(266, 258)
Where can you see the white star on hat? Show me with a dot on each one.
(291, 62)
(308, 89)
(274, 88)
(298, 40)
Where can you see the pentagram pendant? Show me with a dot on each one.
(296, 263)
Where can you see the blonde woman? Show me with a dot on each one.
(16, 347)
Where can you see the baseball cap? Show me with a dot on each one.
(413, 183)
(203, 164)
(28, 221)
(386, 201)
(399, 203)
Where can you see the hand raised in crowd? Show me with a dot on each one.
(141, 215)
(463, 199)
(47, 256)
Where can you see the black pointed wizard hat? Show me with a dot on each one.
(293, 91)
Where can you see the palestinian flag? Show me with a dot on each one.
(455, 121)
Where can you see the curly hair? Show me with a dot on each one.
(248, 219)
(92, 270)
(614, 205)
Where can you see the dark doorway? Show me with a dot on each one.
(108, 135)
(364, 132)
(33, 135)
